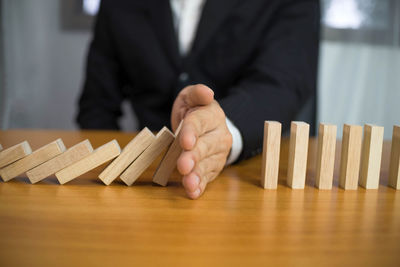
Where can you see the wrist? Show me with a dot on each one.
(237, 142)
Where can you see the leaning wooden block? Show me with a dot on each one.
(270, 157)
(130, 152)
(168, 163)
(298, 150)
(72, 155)
(350, 157)
(325, 156)
(14, 153)
(163, 139)
(371, 155)
(394, 168)
(38, 157)
(98, 157)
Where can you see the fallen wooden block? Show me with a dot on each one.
(163, 139)
(371, 156)
(72, 155)
(325, 156)
(350, 157)
(270, 156)
(38, 157)
(168, 163)
(298, 150)
(98, 157)
(394, 167)
(14, 153)
(130, 152)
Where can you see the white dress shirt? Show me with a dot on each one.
(186, 15)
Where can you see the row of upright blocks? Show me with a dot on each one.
(360, 160)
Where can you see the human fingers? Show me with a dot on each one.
(200, 121)
(190, 97)
(214, 142)
(205, 171)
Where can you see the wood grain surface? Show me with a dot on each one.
(235, 223)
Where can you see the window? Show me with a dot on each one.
(368, 21)
(90, 7)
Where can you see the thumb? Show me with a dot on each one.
(198, 95)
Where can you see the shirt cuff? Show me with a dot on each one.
(237, 143)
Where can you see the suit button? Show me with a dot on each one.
(183, 77)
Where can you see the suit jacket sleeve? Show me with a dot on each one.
(280, 77)
(100, 101)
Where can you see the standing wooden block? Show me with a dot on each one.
(298, 150)
(350, 157)
(14, 153)
(1, 147)
(163, 139)
(371, 156)
(38, 157)
(72, 155)
(168, 163)
(270, 157)
(130, 152)
(99, 156)
(394, 168)
(325, 156)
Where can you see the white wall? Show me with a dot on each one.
(43, 66)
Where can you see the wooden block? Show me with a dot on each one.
(38, 157)
(325, 156)
(1, 147)
(130, 152)
(394, 168)
(163, 139)
(298, 150)
(168, 163)
(98, 157)
(14, 153)
(371, 156)
(350, 157)
(72, 155)
(270, 157)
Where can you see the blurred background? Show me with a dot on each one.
(43, 45)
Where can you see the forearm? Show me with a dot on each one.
(280, 77)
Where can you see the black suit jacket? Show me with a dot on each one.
(259, 56)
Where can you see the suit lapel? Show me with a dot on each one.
(161, 18)
(214, 13)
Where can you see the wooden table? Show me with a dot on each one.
(235, 223)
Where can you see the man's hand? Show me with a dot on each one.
(204, 137)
